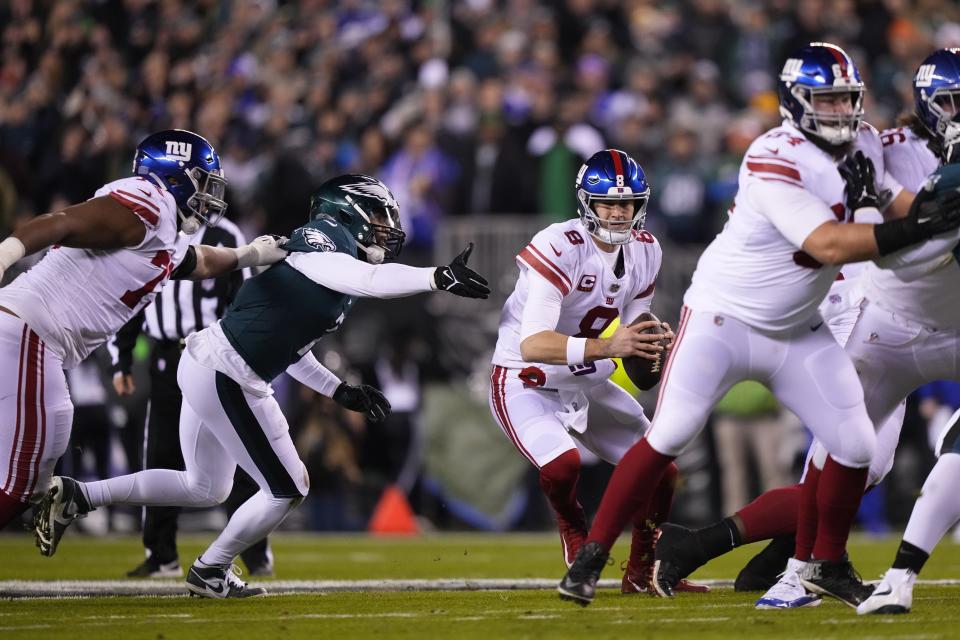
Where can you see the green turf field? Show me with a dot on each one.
(435, 614)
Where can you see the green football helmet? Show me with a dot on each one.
(368, 210)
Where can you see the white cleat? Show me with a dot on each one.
(788, 593)
(894, 594)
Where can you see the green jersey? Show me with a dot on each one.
(279, 314)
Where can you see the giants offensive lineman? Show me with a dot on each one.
(751, 313)
(229, 415)
(906, 332)
(109, 257)
(549, 386)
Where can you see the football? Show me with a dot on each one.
(645, 374)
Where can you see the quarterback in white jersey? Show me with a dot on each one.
(751, 313)
(109, 257)
(549, 387)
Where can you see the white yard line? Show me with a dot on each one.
(98, 588)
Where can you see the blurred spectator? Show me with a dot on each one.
(938, 401)
(751, 433)
(679, 190)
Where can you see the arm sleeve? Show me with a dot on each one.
(309, 372)
(343, 273)
(187, 266)
(120, 346)
(635, 308)
(542, 309)
(933, 254)
(794, 212)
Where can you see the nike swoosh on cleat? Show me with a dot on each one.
(883, 593)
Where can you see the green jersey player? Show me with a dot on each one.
(229, 415)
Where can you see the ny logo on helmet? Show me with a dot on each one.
(177, 150)
(791, 69)
(925, 75)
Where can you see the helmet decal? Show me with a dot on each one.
(936, 96)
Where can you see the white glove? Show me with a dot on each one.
(263, 251)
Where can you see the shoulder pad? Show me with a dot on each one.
(779, 156)
(322, 234)
(553, 253)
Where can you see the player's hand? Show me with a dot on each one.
(364, 399)
(668, 335)
(860, 178)
(461, 280)
(123, 384)
(263, 251)
(931, 215)
(629, 340)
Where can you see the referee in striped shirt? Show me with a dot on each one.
(181, 308)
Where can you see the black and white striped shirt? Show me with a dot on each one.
(183, 306)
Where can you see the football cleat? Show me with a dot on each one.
(152, 568)
(207, 581)
(788, 592)
(677, 554)
(572, 536)
(259, 564)
(580, 583)
(764, 569)
(835, 579)
(894, 594)
(63, 503)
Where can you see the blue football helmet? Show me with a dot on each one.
(612, 176)
(936, 96)
(817, 69)
(189, 168)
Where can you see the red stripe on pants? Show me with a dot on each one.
(498, 390)
(7, 486)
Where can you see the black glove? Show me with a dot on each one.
(459, 279)
(860, 178)
(929, 215)
(364, 399)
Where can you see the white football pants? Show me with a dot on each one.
(35, 410)
(805, 369)
(221, 426)
(529, 417)
(893, 356)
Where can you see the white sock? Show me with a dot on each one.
(152, 488)
(254, 520)
(937, 509)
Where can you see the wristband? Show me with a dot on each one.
(11, 250)
(894, 235)
(576, 351)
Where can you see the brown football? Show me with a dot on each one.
(645, 374)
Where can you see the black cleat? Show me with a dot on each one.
(153, 568)
(764, 569)
(219, 582)
(836, 579)
(678, 554)
(580, 583)
(63, 503)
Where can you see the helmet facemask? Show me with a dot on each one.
(613, 232)
(833, 128)
(944, 104)
(385, 240)
(207, 202)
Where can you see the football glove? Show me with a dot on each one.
(263, 251)
(364, 399)
(461, 280)
(860, 177)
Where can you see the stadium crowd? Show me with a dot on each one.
(462, 108)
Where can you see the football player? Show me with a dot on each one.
(751, 312)
(549, 389)
(906, 333)
(108, 258)
(229, 415)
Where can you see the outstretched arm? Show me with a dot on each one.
(203, 261)
(100, 223)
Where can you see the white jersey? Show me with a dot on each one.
(755, 270)
(932, 299)
(593, 296)
(76, 299)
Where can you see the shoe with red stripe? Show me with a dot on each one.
(63, 503)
